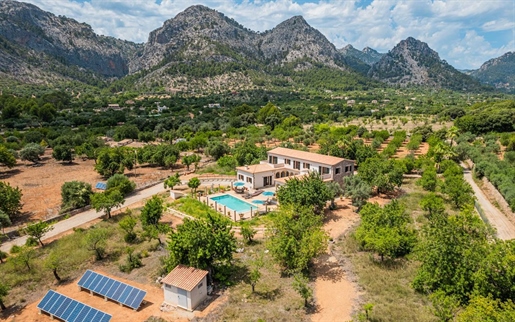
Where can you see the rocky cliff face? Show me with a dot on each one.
(498, 72)
(412, 62)
(368, 55)
(40, 36)
(204, 34)
(295, 39)
(196, 33)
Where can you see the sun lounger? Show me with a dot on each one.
(252, 195)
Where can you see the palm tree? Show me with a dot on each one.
(335, 190)
(452, 133)
(442, 152)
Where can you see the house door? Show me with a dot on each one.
(182, 298)
(267, 181)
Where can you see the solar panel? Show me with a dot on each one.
(70, 310)
(112, 289)
(101, 186)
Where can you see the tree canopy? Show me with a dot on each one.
(307, 191)
(111, 161)
(205, 243)
(10, 199)
(107, 200)
(386, 231)
(296, 237)
(75, 194)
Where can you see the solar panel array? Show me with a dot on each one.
(112, 289)
(101, 186)
(69, 310)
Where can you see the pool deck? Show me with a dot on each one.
(238, 216)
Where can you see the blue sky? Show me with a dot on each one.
(466, 33)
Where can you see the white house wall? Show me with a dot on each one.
(198, 294)
(257, 178)
(170, 293)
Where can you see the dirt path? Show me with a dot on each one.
(505, 228)
(335, 293)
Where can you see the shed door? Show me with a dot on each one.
(182, 297)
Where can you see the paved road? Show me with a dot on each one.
(505, 228)
(86, 217)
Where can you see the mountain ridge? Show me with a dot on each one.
(413, 62)
(498, 72)
(200, 43)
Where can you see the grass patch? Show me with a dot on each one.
(197, 209)
(216, 169)
(194, 208)
(387, 285)
(30, 285)
(274, 298)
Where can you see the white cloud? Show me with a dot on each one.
(464, 32)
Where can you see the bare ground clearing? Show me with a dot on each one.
(41, 185)
(335, 291)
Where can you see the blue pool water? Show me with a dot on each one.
(268, 193)
(234, 203)
(258, 202)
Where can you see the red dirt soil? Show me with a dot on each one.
(151, 306)
(41, 185)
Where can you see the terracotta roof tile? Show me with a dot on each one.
(184, 277)
(308, 156)
(257, 168)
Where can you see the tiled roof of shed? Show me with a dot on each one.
(185, 277)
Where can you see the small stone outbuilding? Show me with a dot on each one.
(185, 287)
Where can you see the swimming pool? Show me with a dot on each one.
(234, 203)
(258, 202)
(268, 193)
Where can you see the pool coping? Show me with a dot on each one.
(234, 214)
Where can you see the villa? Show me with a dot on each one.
(285, 163)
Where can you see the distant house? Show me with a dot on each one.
(115, 107)
(214, 105)
(160, 108)
(351, 102)
(185, 287)
(285, 163)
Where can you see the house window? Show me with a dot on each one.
(305, 165)
(325, 170)
(338, 170)
(296, 165)
(200, 285)
(287, 161)
(249, 179)
(168, 286)
(240, 177)
(272, 160)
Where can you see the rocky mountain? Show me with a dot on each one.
(37, 45)
(498, 72)
(368, 55)
(412, 62)
(200, 33)
(202, 47)
(197, 32)
(205, 43)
